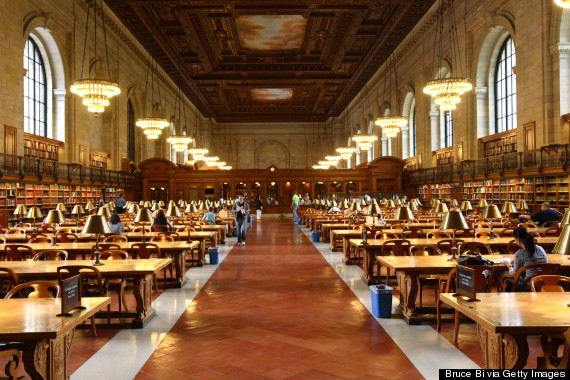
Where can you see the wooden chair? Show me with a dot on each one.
(116, 238)
(19, 252)
(551, 224)
(127, 229)
(549, 283)
(46, 229)
(395, 247)
(543, 268)
(445, 245)
(426, 279)
(438, 235)
(512, 248)
(528, 225)
(415, 233)
(51, 254)
(104, 247)
(140, 229)
(12, 231)
(162, 238)
(185, 229)
(174, 235)
(474, 246)
(9, 281)
(552, 231)
(484, 234)
(39, 239)
(159, 228)
(91, 285)
(66, 237)
(508, 232)
(117, 284)
(35, 289)
(483, 278)
(147, 251)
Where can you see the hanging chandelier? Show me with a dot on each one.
(364, 141)
(211, 158)
(346, 152)
(333, 159)
(325, 163)
(218, 163)
(447, 91)
(391, 125)
(225, 167)
(198, 153)
(152, 126)
(320, 167)
(179, 143)
(95, 92)
(562, 3)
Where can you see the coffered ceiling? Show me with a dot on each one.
(266, 60)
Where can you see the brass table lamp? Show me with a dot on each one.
(344, 205)
(54, 217)
(61, 207)
(155, 207)
(355, 206)
(466, 206)
(565, 218)
(491, 212)
(77, 210)
(404, 213)
(441, 208)
(141, 203)
(20, 211)
(172, 211)
(34, 213)
(104, 211)
(96, 224)
(89, 206)
(134, 208)
(453, 220)
(563, 244)
(522, 205)
(147, 204)
(161, 204)
(390, 204)
(375, 210)
(509, 208)
(482, 203)
(143, 216)
(454, 203)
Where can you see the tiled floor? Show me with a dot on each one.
(275, 309)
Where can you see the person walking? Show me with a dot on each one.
(258, 207)
(295, 206)
(240, 210)
(120, 204)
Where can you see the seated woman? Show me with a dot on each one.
(161, 221)
(210, 217)
(529, 254)
(115, 225)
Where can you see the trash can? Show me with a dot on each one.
(315, 236)
(214, 255)
(381, 300)
(299, 221)
(250, 221)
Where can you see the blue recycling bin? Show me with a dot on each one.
(250, 221)
(299, 221)
(381, 300)
(214, 255)
(315, 236)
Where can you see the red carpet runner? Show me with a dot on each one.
(275, 309)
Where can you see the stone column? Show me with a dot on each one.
(357, 156)
(435, 131)
(405, 142)
(482, 96)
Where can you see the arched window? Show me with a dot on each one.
(505, 88)
(130, 131)
(412, 132)
(448, 128)
(35, 90)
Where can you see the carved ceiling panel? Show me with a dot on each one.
(269, 61)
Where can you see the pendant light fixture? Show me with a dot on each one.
(391, 125)
(346, 152)
(364, 142)
(95, 92)
(152, 126)
(447, 91)
(179, 142)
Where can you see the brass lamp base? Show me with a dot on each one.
(453, 255)
(97, 254)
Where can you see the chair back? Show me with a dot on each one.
(104, 247)
(115, 238)
(425, 250)
(91, 283)
(552, 231)
(438, 235)
(543, 268)
(66, 237)
(445, 245)
(114, 254)
(35, 289)
(483, 277)
(18, 252)
(508, 232)
(512, 248)
(145, 250)
(159, 228)
(39, 239)
(474, 246)
(46, 229)
(12, 231)
(396, 247)
(415, 233)
(162, 238)
(551, 224)
(174, 235)
(550, 283)
(8, 281)
(51, 254)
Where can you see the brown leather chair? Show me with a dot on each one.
(35, 289)
(51, 254)
(544, 268)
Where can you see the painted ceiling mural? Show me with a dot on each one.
(281, 32)
(271, 94)
(271, 60)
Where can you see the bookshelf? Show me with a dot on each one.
(411, 163)
(444, 156)
(42, 147)
(98, 159)
(499, 143)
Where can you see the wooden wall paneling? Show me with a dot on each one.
(10, 140)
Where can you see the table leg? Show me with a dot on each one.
(48, 359)
(223, 233)
(346, 252)
(550, 345)
(503, 351)
(142, 288)
(408, 285)
(13, 365)
(369, 259)
(179, 263)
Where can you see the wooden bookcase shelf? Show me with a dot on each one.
(42, 147)
(499, 143)
(444, 156)
(98, 159)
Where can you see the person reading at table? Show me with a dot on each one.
(115, 225)
(530, 253)
(546, 214)
(210, 217)
(161, 221)
(224, 213)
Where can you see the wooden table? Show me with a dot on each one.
(140, 270)
(373, 248)
(176, 250)
(504, 320)
(409, 268)
(44, 338)
(327, 228)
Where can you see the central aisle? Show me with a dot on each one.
(276, 309)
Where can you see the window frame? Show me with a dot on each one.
(33, 123)
(412, 133)
(503, 97)
(448, 129)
